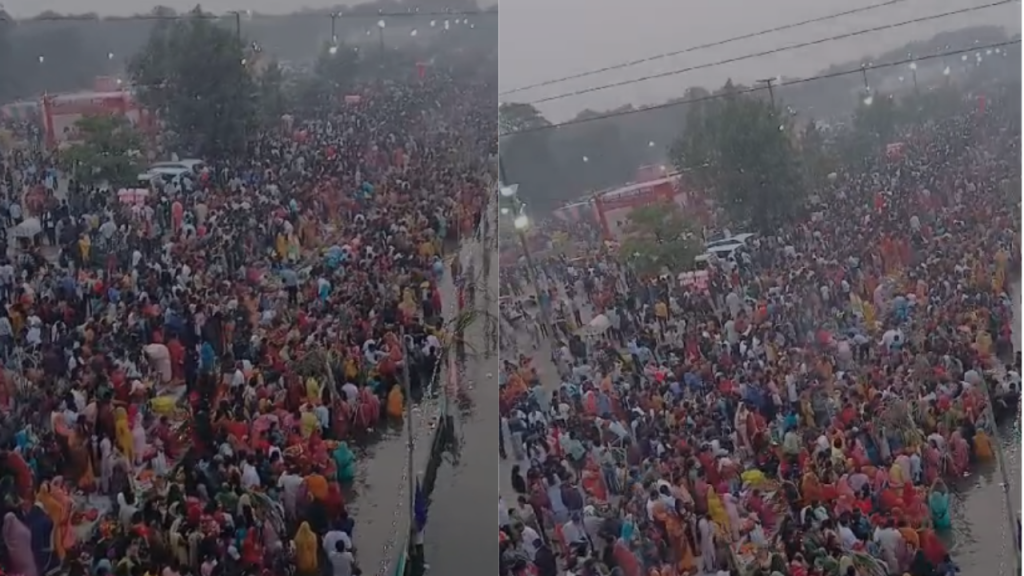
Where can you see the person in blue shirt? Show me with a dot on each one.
(947, 567)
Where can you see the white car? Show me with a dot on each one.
(717, 254)
(729, 241)
(169, 171)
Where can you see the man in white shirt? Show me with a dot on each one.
(250, 477)
(342, 561)
(504, 520)
(332, 538)
(289, 484)
(847, 536)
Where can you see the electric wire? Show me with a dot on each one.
(860, 70)
(763, 53)
(696, 47)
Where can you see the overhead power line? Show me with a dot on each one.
(694, 48)
(761, 54)
(859, 70)
(342, 16)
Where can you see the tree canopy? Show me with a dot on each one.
(739, 149)
(106, 151)
(659, 236)
(630, 137)
(193, 73)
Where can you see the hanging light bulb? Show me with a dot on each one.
(946, 71)
(433, 23)
(413, 33)
(332, 50)
(869, 100)
(447, 25)
(42, 59)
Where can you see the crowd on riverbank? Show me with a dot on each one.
(801, 416)
(184, 402)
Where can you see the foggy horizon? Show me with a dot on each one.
(574, 36)
(25, 9)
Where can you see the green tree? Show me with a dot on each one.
(106, 152)
(334, 72)
(526, 154)
(739, 149)
(514, 117)
(273, 95)
(659, 237)
(817, 158)
(193, 73)
(338, 66)
(8, 77)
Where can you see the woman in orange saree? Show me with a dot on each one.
(59, 510)
(810, 488)
(682, 550)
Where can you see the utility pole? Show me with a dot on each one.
(771, 91)
(238, 24)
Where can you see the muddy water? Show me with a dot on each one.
(461, 535)
(982, 537)
(379, 501)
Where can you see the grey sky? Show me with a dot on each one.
(26, 8)
(543, 39)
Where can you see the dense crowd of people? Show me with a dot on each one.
(804, 414)
(185, 371)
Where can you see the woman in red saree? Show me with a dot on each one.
(593, 482)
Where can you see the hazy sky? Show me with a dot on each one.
(544, 39)
(25, 8)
